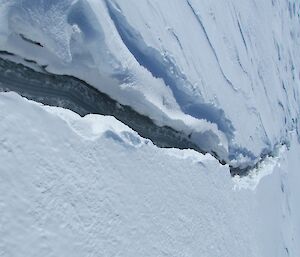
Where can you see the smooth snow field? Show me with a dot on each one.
(72, 186)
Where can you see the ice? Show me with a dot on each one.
(180, 74)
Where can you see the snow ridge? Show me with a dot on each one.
(211, 46)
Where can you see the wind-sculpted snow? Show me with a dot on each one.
(224, 69)
(161, 66)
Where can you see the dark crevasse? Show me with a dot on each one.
(76, 95)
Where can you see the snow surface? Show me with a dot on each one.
(224, 70)
(72, 186)
(176, 61)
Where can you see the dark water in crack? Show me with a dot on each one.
(76, 95)
(71, 93)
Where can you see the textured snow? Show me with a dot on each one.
(72, 186)
(177, 61)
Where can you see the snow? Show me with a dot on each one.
(72, 186)
(263, 169)
(92, 126)
(180, 74)
(225, 73)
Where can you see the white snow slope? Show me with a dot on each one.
(72, 186)
(179, 62)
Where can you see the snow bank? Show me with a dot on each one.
(70, 38)
(180, 74)
(92, 127)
